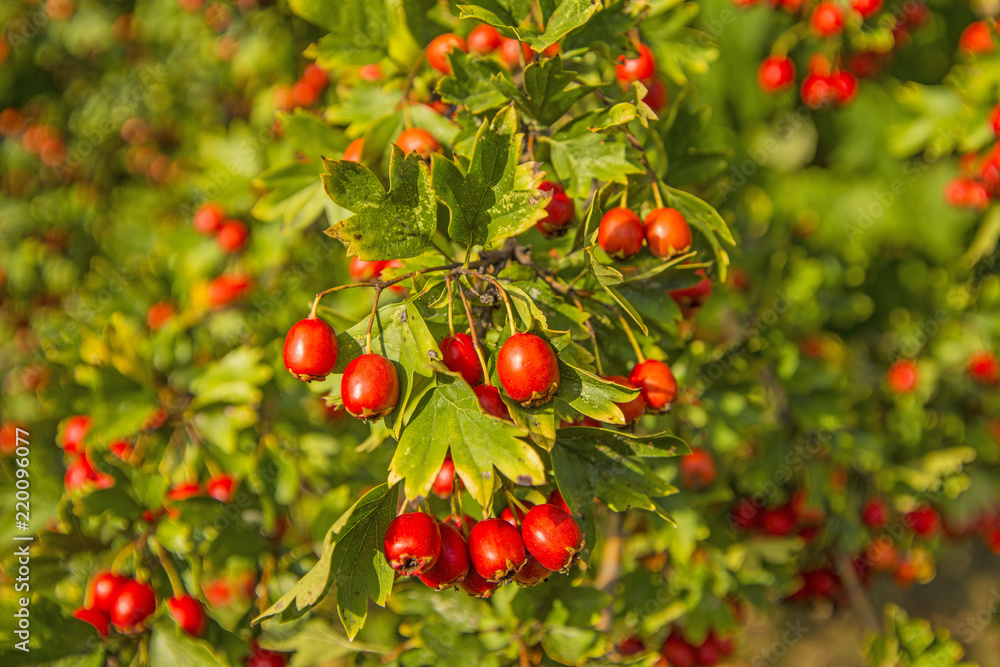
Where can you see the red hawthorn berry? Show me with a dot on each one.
(512, 50)
(231, 236)
(633, 409)
(419, 141)
(779, 521)
(261, 657)
(559, 211)
(882, 555)
(96, 618)
(906, 573)
(528, 369)
(104, 588)
(710, 652)
(866, 7)
(497, 550)
(74, 431)
(412, 543)
(445, 480)
(459, 355)
(189, 614)
(363, 271)
(228, 288)
(134, 603)
(452, 563)
(122, 449)
(824, 583)
(678, 652)
(966, 192)
(817, 90)
(631, 646)
(310, 351)
(508, 514)
(902, 376)
(158, 314)
(976, 38)
(827, 19)
(776, 73)
(8, 437)
(641, 67)
(667, 232)
(656, 382)
(304, 95)
(483, 39)
(221, 487)
(372, 72)
(184, 490)
(208, 217)
(490, 401)
(440, 46)
(531, 573)
(370, 387)
(691, 299)
(353, 154)
(875, 513)
(475, 585)
(552, 536)
(984, 368)
(867, 64)
(924, 521)
(315, 76)
(620, 233)
(656, 94)
(456, 521)
(994, 120)
(697, 469)
(745, 515)
(845, 86)
(556, 498)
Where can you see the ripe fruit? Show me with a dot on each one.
(96, 618)
(924, 520)
(532, 572)
(372, 72)
(445, 480)
(132, 606)
(8, 437)
(656, 94)
(620, 233)
(310, 351)
(984, 368)
(459, 355)
(438, 49)
(817, 91)
(827, 19)
(902, 376)
(483, 39)
(633, 409)
(363, 271)
(508, 513)
(866, 7)
(976, 38)
(452, 563)
(656, 382)
(678, 652)
(220, 487)
(189, 614)
(232, 236)
(419, 141)
(779, 521)
(496, 550)
(184, 490)
(490, 401)
(875, 513)
(227, 288)
(697, 469)
(639, 68)
(558, 212)
(476, 586)
(552, 536)
(353, 154)
(261, 657)
(528, 369)
(556, 498)
(208, 217)
(966, 192)
(776, 73)
(74, 432)
(158, 314)
(315, 76)
(509, 50)
(667, 232)
(412, 543)
(845, 86)
(104, 588)
(370, 387)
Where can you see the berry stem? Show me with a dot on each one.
(514, 504)
(631, 337)
(624, 202)
(472, 327)
(168, 566)
(656, 185)
(592, 334)
(451, 308)
(371, 320)
(790, 38)
(499, 288)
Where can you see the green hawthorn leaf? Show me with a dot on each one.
(601, 463)
(591, 395)
(581, 159)
(358, 29)
(503, 15)
(419, 20)
(352, 559)
(385, 225)
(234, 379)
(367, 101)
(546, 95)
(703, 217)
(449, 416)
(168, 646)
(469, 83)
(607, 26)
(609, 277)
(568, 16)
(309, 135)
(295, 196)
(631, 107)
(539, 421)
(492, 197)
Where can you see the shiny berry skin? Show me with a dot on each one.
(690, 299)
(133, 605)
(353, 151)
(456, 521)
(232, 236)
(476, 586)
(976, 38)
(924, 520)
(509, 49)
(220, 487)
(497, 550)
(556, 498)
(552, 536)
(827, 19)
(633, 409)
(559, 211)
(370, 387)
(639, 68)
(678, 652)
(528, 369)
(189, 614)
(532, 572)
(459, 355)
(483, 39)
(779, 521)
(412, 543)
(452, 563)
(445, 480)
(261, 657)
(96, 618)
(775, 73)
(508, 513)
(208, 217)
(227, 288)
(363, 271)
(74, 432)
(104, 588)
(621, 233)
(983, 368)
(667, 232)
(158, 314)
(490, 401)
(656, 382)
(697, 469)
(902, 376)
(438, 49)
(875, 513)
(419, 141)
(866, 7)
(310, 351)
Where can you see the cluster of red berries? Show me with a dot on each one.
(126, 603)
(482, 40)
(979, 179)
(665, 231)
(678, 652)
(230, 234)
(559, 212)
(411, 140)
(480, 556)
(791, 518)
(882, 553)
(80, 473)
(303, 93)
(642, 68)
(903, 375)
(39, 139)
